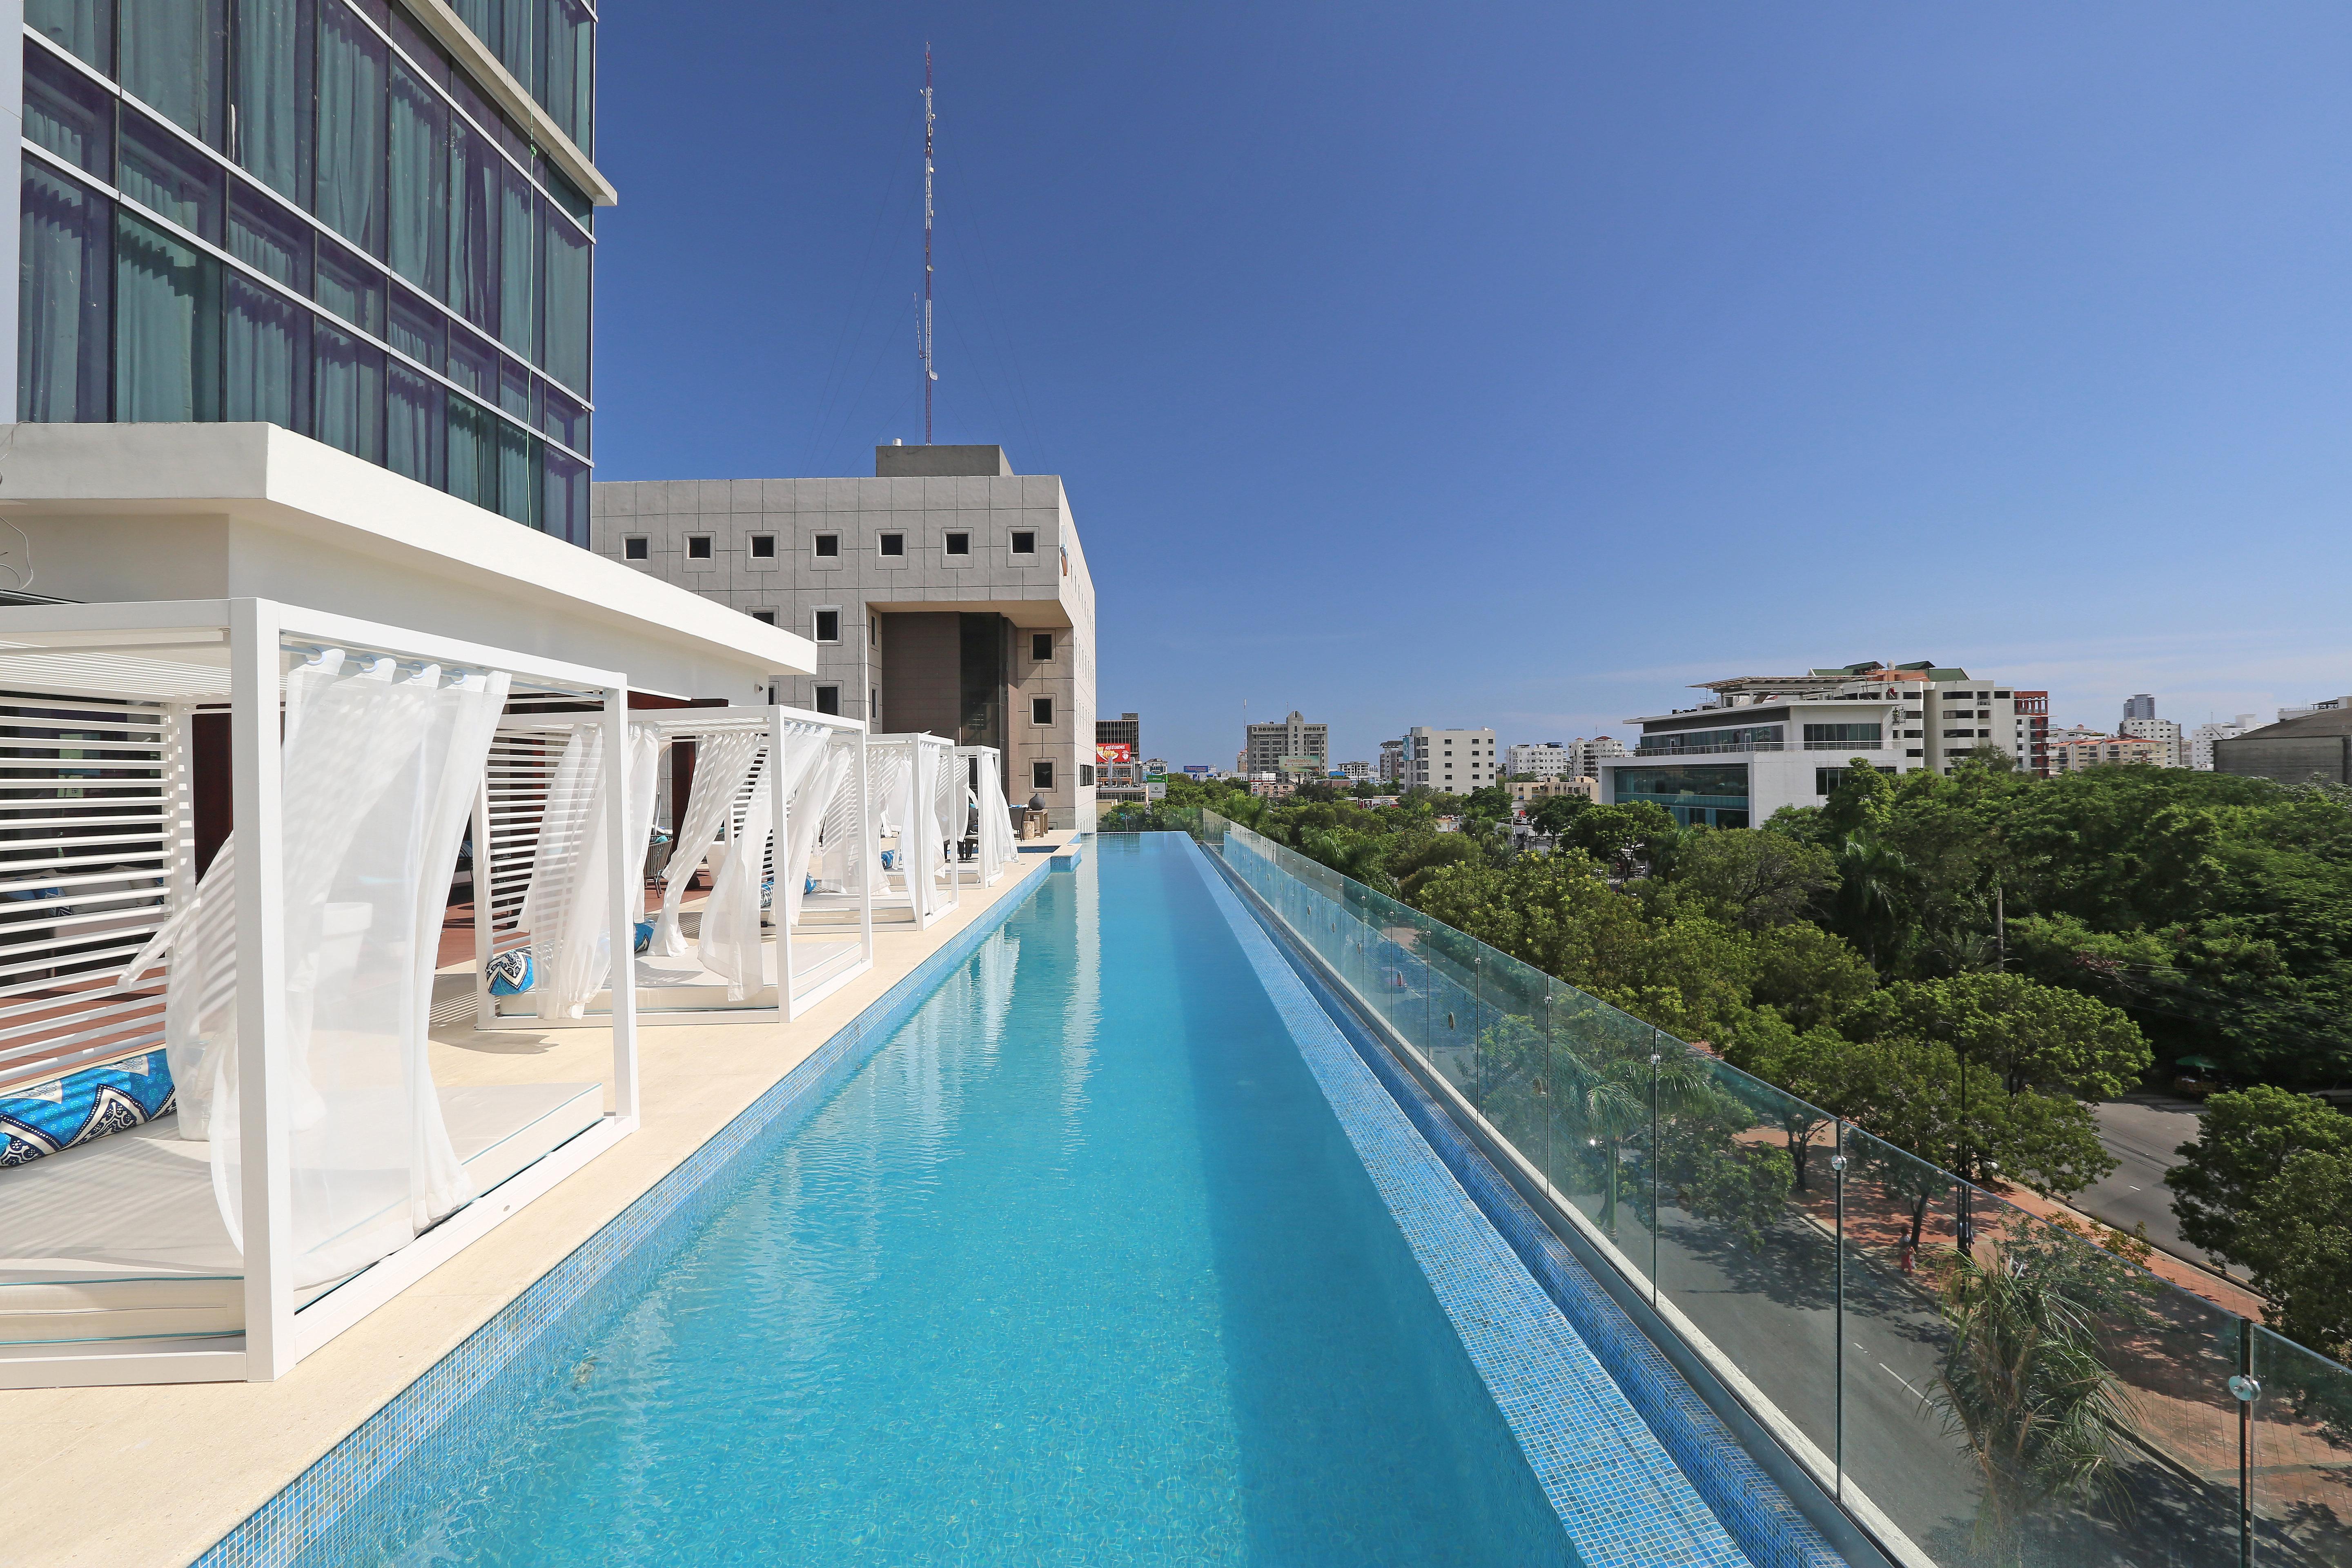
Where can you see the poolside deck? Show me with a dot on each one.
(151, 1475)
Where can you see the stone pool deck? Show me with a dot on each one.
(151, 1475)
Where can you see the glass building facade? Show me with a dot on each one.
(308, 212)
(1700, 795)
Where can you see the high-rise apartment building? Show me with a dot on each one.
(370, 222)
(2142, 706)
(2201, 739)
(2162, 733)
(1536, 758)
(1285, 745)
(1391, 763)
(1452, 762)
(2074, 750)
(2031, 710)
(1126, 729)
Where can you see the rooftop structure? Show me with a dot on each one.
(1451, 761)
(2315, 747)
(1264, 747)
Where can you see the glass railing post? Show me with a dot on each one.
(1837, 1458)
(2246, 1389)
(1657, 1159)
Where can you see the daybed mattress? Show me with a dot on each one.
(120, 1238)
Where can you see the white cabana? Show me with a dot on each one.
(987, 846)
(757, 812)
(915, 795)
(268, 1155)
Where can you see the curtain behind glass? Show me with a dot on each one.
(83, 27)
(517, 265)
(267, 352)
(419, 239)
(166, 327)
(517, 475)
(517, 42)
(414, 423)
(473, 228)
(174, 60)
(571, 65)
(473, 453)
(61, 302)
(565, 514)
(348, 378)
(273, 95)
(567, 301)
(349, 197)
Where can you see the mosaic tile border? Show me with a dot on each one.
(1619, 1495)
(320, 1510)
(1766, 1523)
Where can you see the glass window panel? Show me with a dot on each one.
(474, 101)
(275, 39)
(163, 173)
(473, 453)
(166, 327)
(416, 425)
(2301, 1453)
(175, 60)
(568, 197)
(517, 39)
(68, 113)
(566, 513)
(62, 301)
(481, 18)
(419, 240)
(83, 27)
(413, 41)
(266, 352)
(348, 382)
(419, 330)
(565, 420)
(351, 287)
(268, 238)
(517, 265)
(377, 11)
(514, 390)
(570, 74)
(474, 228)
(567, 302)
(518, 474)
(473, 365)
(350, 162)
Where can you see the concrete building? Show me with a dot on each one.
(2033, 731)
(1524, 792)
(1390, 766)
(2166, 736)
(947, 594)
(2142, 706)
(1126, 729)
(2202, 739)
(1264, 747)
(1585, 757)
(1452, 762)
(2315, 747)
(1354, 773)
(2327, 705)
(2079, 749)
(198, 246)
(1538, 759)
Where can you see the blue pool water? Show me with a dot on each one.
(1079, 1269)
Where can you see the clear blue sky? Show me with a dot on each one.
(1521, 364)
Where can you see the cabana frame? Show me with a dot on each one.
(506, 838)
(247, 641)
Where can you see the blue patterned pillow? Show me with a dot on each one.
(42, 1118)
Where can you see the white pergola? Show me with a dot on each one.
(123, 683)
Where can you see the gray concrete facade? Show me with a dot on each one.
(2318, 745)
(879, 557)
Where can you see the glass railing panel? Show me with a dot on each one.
(1604, 1117)
(1511, 1058)
(1899, 1461)
(2133, 1372)
(1740, 1257)
(2300, 1454)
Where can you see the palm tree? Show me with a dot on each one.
(2024, 1388)
(1873, 878)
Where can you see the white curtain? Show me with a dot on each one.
(380, 770)
(721, 762)
(645, 788)
(919, 827)
(996, 845)
(844, 862)
(565, 909)
(810, 809)
(199, 989)
(732, 936)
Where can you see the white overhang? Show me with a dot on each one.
(485, 67)
(177, 512)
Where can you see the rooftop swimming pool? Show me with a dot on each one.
(1081, 1267)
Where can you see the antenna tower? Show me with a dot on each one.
(923, 337)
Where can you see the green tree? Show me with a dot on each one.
(2304, 1218)
(1873, 898)
(1557, 813)
(1492, 804)
(2024, 1389)
(1610, 832)
(1754, 880)
(2034, 1036)
(2243, 1147)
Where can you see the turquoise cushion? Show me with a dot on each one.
(90, 1102)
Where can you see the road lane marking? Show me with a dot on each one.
(1901, 1379)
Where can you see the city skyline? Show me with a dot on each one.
(1619, 348)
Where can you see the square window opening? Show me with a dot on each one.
(637, 547)
(828, 700)
(764, 547)
(1041, 775)
(1041, 710)
(1041, 646)
(892, 544)
(828, 626)
(765, 617)
(958, 544)
(1085, 774)
(828, 546)
(697, 547)
(1025, 543)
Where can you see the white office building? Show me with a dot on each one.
(2201, 739)
(1453, 761)
(1536, 758)
(2164, 734)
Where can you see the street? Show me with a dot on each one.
(2141, 1131)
